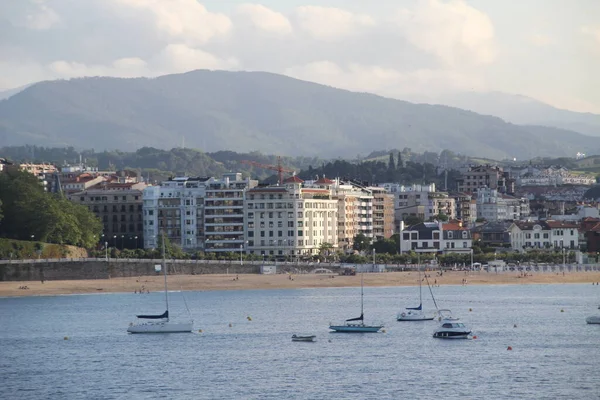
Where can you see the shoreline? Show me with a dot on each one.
(283, 281)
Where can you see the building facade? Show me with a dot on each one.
(291, 220)
(119, 207)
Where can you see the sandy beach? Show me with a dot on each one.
(282, 281)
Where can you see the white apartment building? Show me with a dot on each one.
(176, 207)
(544, 235)
(436, 237)
(290, 220)
(224, 213)
(494, 206)
(197, 213)
(355, 213)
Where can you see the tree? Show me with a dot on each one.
(440, 217)
(0, 210)
(411, 220)
(391, 162)
(361, 242)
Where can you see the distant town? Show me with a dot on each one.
(516, 209)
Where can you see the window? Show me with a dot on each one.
(290, 224)
(250, 233)
(300, 233)
(250, 215)
(270, 233)
(290, 233)
(280, 233)
(262, 233)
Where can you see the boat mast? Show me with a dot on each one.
(164, 266)
(361, 293)
(420, 294)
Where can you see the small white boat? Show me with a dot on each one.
(415, 313)
(303, 338)
(161, 323)
(451, 327)
(357, 325)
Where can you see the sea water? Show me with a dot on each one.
(76, 347)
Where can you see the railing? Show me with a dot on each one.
(387, 267)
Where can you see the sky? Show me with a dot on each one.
(407, 49)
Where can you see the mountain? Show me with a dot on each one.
(5, 94)
(246, 111)
(523, 110)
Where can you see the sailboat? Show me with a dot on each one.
(357, 325)
(415, 313)
(160, 323)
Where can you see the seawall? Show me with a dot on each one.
(75, 269)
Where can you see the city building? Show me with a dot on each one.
(197, 213)
(495, 206)
(466, 208)
(291, 220)
(456, 238)
(224, 225)
(422, 201)
(544, 235)
(485, 176)
(173, 207)
(383, 213)
(436, 237)
(119, 207)
(355, 213)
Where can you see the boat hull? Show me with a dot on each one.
(594, 319)
(451, 335)
(303, 338)
(355, 328)
(161, 327)
(413, 316)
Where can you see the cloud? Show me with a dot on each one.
(264, 19)
(594, 32)
(186, 21)
(174, 58)
(43, 18)
(540, 40)
(453, 31)
(385, 81)
(329, 23)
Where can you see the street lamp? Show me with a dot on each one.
(241, 259)
(122, 238)
(136, 241)
(373, 260)
(106, 249)
(471, 259)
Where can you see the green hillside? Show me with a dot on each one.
(256, 111)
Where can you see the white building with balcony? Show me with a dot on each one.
(290, 220)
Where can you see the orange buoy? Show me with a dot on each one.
(249, 318)
(509, 348)
(475, 337)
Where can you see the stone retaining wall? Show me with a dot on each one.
(113, 269)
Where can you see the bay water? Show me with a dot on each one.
(245, 350)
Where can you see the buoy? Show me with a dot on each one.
(199, 330)
(515, 325)
(475, 337)
(470, 309)
(230, 325)
(249, 318)
(562, 310)
(383, 330)
(66, 338)
(509, 348)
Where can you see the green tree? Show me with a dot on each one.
(411, 220)
(361, 242)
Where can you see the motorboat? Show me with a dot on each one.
(303, 338)
(356, 325)
(451, 327)
(594, 319)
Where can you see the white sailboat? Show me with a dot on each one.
(415, 313)
(357, 325)
(160, 323)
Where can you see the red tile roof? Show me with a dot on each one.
(293, 179)
(324, 181)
